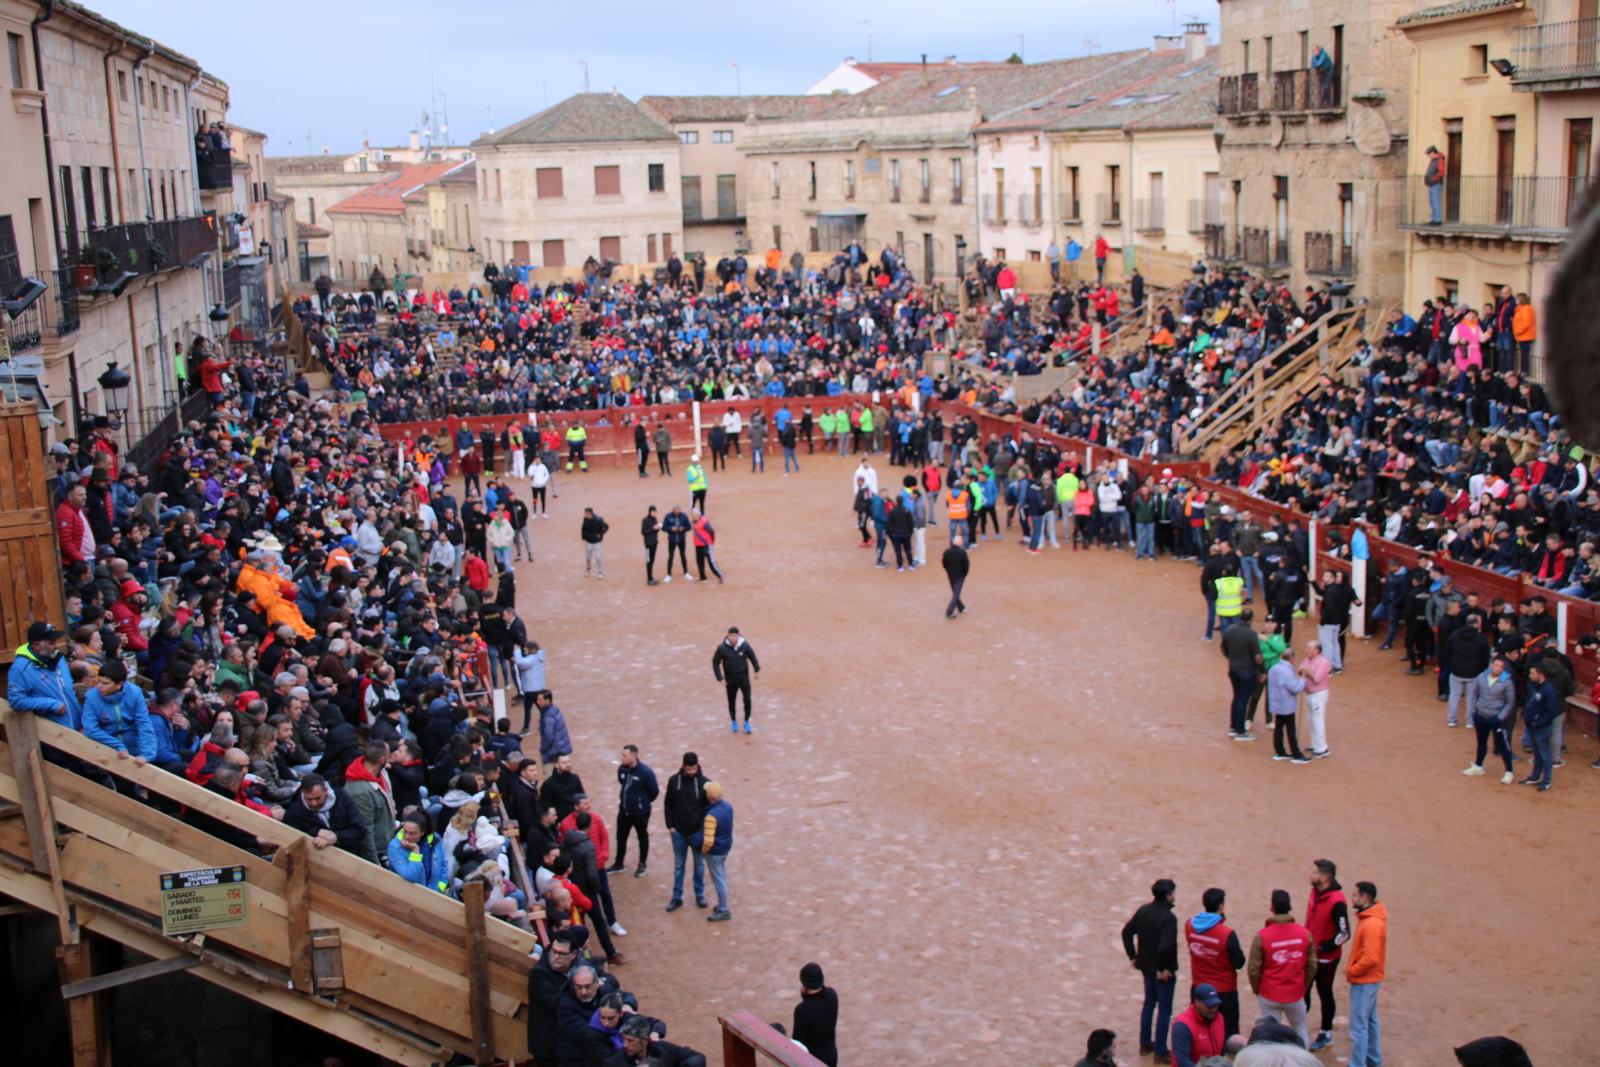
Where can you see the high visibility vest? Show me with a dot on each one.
(578, 434)
(697, 478)
(1230, 596)
(956, 504)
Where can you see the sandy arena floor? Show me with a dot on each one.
(955, 818)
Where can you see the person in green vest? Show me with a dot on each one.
(1273, 646)
(1230, 596)
(867, 425)
(697, 483)
(1066, 496)
(825, 421)
(577, 439)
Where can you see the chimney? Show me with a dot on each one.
(950, 60)
(1167, 43)
(416, 140)
(1194, 41)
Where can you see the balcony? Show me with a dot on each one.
(1330, 254)
(1282, 248)
(725, 214)
(1553, 56)
(1109, 209)
(1069, 207)
(994, 210)
(231, 277)
(1204, 214)
(1515, 208)
(1256, 246)
(1150, 215)
(956, 193)
(61, 311)
(1217, 243)
(214, 170)
(1290, 92)
(1030, 209)
(149, 247)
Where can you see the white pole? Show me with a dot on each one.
(695, 407)
(1312, 551)
(1561, 625)
(1358, 582)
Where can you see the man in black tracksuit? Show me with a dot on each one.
(1150, 939)
(956, 565)
(1284, 590)
(1419, 635)
(685, 809)
(731, 663)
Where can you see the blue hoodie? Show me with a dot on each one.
(42, 688)
(121, 721)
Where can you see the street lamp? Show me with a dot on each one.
(114, 386)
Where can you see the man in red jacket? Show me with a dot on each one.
(1282, 964)
(1102, 249)
(72, 527)
(1328, 920)
(1215, 956)
(1198, 1032)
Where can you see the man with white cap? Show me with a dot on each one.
(697, 483)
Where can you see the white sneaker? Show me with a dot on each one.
(617, 929)
(668, 578)
(1505, 779)
(1473, 771)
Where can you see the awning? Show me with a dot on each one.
(852, 213)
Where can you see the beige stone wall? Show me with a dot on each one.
(707, 159)
(362, 241)
(315, 192)
(1190, 167)
(24, 190)
(512, 211)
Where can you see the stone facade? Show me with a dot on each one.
(1313, 177)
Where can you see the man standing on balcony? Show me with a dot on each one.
(1322, 64)
(1053, 254)
(1102, 249)
(1433, 180)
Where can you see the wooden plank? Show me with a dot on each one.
(137, 973)
(75, 965)
(296, 864)
(66, 924)
(22, 739)
(472, 900)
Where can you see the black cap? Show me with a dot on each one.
(811, 976)
(40, 630)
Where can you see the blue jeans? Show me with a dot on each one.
(1145, 537)
(1543, 760)
(758, 459)
(1244, 684)
(959, 526)
(788, 458)
(1157, 1002)
(1435, 209)
(1365, 1047)
(1211, 616)
(1250, 571)
(718, 866)
(680, 852)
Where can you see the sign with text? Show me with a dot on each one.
(207, 899)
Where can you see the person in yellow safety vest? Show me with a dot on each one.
(1066, 501)
(697, 483)
(1230, 596)
(519, 454)
(577, 438)
(956, 509)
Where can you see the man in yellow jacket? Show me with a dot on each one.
(272, 593)
(1368, 951)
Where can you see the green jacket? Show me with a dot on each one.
(1273, 647)
(866, 420)
(1067, 489)
(374, 808)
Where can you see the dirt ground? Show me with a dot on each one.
(955, 818)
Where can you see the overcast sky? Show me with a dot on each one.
(314, 73)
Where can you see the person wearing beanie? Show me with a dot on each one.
(816, 1017)
(1492, 1052)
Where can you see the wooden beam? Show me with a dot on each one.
(296, 863)
(22, 737)
(478, 1009)
(43, 836)
(137, 973)
(74, 964)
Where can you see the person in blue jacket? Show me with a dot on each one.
(638, 790)
(115, 714)
(416, 854)
(553, 737)
(175, 743)
(40, 679)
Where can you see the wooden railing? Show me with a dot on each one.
(329, 939)
(747, 1041)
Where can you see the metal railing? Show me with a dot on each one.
(1238, 94)
(1150, 215)
(994, 209)
(1307, 89)
(957, 192)
(214, 170)
(230, 284)
(1030, 208)
(1256, 246)
(1204, 214)
(1282, 248)
(1217, 246)
(148, 247)
(1554, 50)
(1069, 207)
(162, 425)
(61, 306)
(25, 332)
(1329, 253)
(1109, 208)
(1518, 206)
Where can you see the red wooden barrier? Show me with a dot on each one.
(748, 1041)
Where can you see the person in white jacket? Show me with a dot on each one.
(867, 474)
(733, 426)
(1109, 494)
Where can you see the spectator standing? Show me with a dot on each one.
(328, 817)
(1284, 686)
(677, 526)
(1433, 181)
(637, 791)
(1333, 616)
(1215, 956)
(650, 531)
(1328, 922)
(716, 841)
(662, 438)
(1494, 702)
(1369, 951)
(1199, 1031)
(697, 483)
(1241, 648)
(956, 565)
(1464, 657)
(593, 533)
(116, 715)
(40, 679)
(705, 538)
(1316, 670)
(816, 1017)
(1282, 966)
(1150, 938)
(529, 663)
(731, 663)
(1539, 711)
(685, 809)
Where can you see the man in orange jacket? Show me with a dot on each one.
(1368, 951)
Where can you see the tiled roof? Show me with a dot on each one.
(305, 230)
(730, 108)
(583, 118)
(1457, 9)
(1147, 90)
(884, 71)
(388, 197)
(949, 88)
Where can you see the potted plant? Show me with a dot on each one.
(92, 261)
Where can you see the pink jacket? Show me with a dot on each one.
(1318, 670)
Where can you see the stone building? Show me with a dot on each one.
(1313, 163)
(1518, 144)
(711, 131)
(386, 225)
(114, 210)
(1120, 145)
(591, 176)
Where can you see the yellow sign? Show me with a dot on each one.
(207, 899)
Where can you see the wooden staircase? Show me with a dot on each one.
(1277, 380)
(329, 939)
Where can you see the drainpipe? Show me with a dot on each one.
(138, 119)
(111, 121)
(149, 216)
(47, 9)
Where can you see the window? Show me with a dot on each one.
(485, 185)
(311, 203)
(1305, 49)
(1449, 289)
(1347, 225)
(1038, 195)
(138, 85)
(925, 180)
(721, 136)
(86, 179)
(813, 169)
(1033, 255)
(1505, 158)
(777, 181)
(691, 197)
(814, 245)
(1580, 150)
(106, 196)
(122, 86)
(658, 177)
(894, 180)
(69, 204)
(849, 179)
(498, 192)
(999, 213)
(999, 253)
(554, 253)
(1280, 219)
(955, 180)
(547, 181)
(1113, 211)
(1452, 170)
(1244, 65)
(688, 136)
(519, 251)
(650, 248)
(1266, 63)
(727, 196)
(1478, 60)
(607, 181)
(777, 237)
(1071, 206)
(14, 53)
(166, 100)
(611, 249)
(666, 246)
